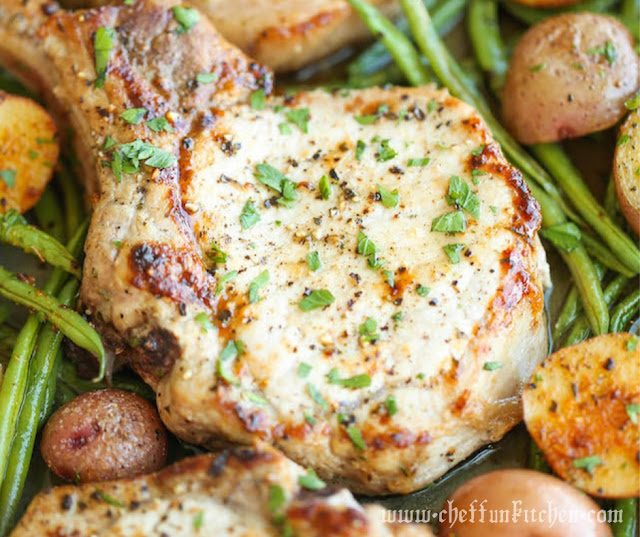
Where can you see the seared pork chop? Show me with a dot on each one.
(354, 277)
(283, 34)
(243, 492)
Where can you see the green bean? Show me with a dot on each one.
(5, 312)
(565, 173)
(625, 312)
(50, 396)
(600, 252)
(448, 71)
(15, 231)
(49, 215)
(446, 14)
(40, 374)
(583, 271)
(484, 32)
(627, 526)
(630, 13)
(73, 208)
(532, 16)
(400, 47)
(15, 377)
(581, 330)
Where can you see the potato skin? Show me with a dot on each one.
(29, 150)
(104, 435)
(557, 87)
(626, 169)
(498, 490)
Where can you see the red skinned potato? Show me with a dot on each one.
(569, 75)
(626, 169)
(512, 494)
(104, 435)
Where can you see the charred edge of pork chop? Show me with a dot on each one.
(235, 490)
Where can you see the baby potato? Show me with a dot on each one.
(28, 151)
(582, 408)
(495, 505)
(104, 435)
(626, 169)
(570, 75)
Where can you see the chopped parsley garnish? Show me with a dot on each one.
(588, 463)
(103, 43)
(311, 481)
(356, 437)
(274, 179)
(418, 161)
(478, 151)
(633, 103)
(256, 284)
(206, 78)
(255, 398)
(360, 147)
(277, 498)
(225, 279)
(217, 255)
(492, 366)
(249, 216)
(453, 222)
(386, 152)
(117, 244)
(319, 298)
(461, 196)
(623, 139)
(9, 177)
(633, 411)
(608, 51)
(159, 124)
(477, 173)
(198, 520)
(433, 105)
(422, 290)
(397, 317)
(231, 351)
(127, 158)
(186, 17)
(365, 246)
(389, 198)
(325, 187)
(109, 499)
(300, 118)
(109, 142)
(134, 115)
(303, 370)
(368, 330)
(258, 99)
(313, 260)
(310, 419)
(357, 381)
(388, 276)
(391, 405)
(453, 252)
(315, 395)
(204, 321)
(284, 129)
(370, 119)
(538, 67)
(494, 209)
(632, 343)
(565, 236)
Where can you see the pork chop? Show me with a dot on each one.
(283, 34)
(242, 492)
(354, 277)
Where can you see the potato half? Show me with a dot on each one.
(569, 75)
(28, 151)
(626, 169)
(582, 408)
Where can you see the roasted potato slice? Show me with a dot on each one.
(582, 408)
(626, 169)
(28, 151)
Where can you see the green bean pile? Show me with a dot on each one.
(607, 260)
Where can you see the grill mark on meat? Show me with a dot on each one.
(156, 355)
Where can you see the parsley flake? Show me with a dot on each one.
(385, 151)
(608, 51)
(300, 118)
(632, 343)
(368, 329)
(204, 321)
(224, 280)
(186, 17)
(103, 43)
(538, 67)
(9, 177)
(198, 520)
(588, 463)
(249, 216)
(206, 78)
(453, 222)
(258, 99)
(109, 499)
(418, 161)
(360, 147)
(356, 437)
(633, 411)
(492, 366)
(453, 252)
(159, 124)
(325, 187)
(461, 196)
(303, 370)
(217, 255)
(313, 260)
(311, 481)
(389, 198)
(391, 405)
(256, 284)
(422, 290)
(315, 395)
(319, 298)
(277, 498)
(274, 179)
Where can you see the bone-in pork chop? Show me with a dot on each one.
(242, 492)
(354, 277)
(283, 34)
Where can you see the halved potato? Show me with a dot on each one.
(582, 408)
(28, 151)
(626, 169)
